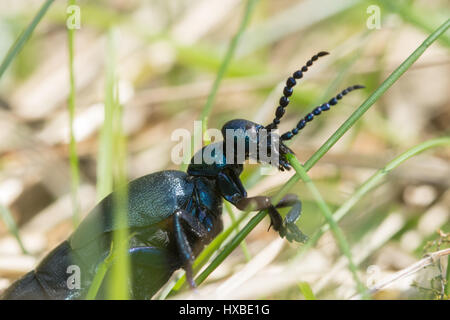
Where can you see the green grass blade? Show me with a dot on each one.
(8, 219)
(306, 291)
(410, 14)
(220, 74)
(393, 77)
(121, 268)
(337, 232)
(113, 146)
(74, 163)
(233, 220)
(372, 183)
(23, 37)
(227, 59)
(105, 154)
(100, 273)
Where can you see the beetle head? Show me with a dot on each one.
(246, 139)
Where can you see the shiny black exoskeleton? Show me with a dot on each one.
(172, 215)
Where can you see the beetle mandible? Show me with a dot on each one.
(172, 215)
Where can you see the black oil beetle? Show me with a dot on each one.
(172, 215)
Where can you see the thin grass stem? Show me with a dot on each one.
(393, 77)
(100, 274)
(326, 211)
(113, 146)
(73, 155)
(120, 270)
(244, 243)
(23, 37)
(11, 225)
(220, 75)
(306, 290)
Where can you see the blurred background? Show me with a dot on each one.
(168, 53)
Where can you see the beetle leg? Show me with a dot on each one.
(262, 203)
(184, 247)
(286, 228)
(288, 201)
(232, 190)
(195, 226)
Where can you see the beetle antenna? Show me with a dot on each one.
(288, 89)
(318, 110)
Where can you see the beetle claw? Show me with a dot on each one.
(292, 233)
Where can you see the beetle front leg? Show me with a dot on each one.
(286, 228)
(265, 203)
(232, 190)
(262, 203)
(183, 245)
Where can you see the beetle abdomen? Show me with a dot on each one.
(48, 281)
